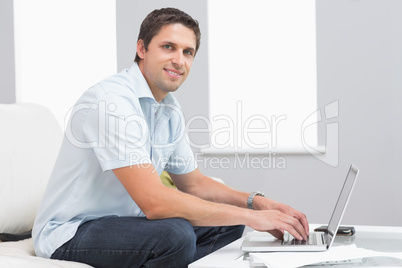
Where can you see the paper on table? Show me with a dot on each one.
(296, 259)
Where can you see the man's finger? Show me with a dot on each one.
(276, 233)
(297, 227)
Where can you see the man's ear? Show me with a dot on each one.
(141, 49)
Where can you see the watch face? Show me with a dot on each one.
(260, 194)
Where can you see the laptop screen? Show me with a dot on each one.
(342, 200)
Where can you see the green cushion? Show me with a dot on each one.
(167, 180)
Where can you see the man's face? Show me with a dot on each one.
(167, 62)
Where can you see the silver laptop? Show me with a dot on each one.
(318, 241)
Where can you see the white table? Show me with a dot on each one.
(380, 238)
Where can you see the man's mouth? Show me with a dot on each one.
(173, 73)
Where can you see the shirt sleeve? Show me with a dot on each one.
(117, 130)
(182, 160)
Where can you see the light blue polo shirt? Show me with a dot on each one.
(116, 123)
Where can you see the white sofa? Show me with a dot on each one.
(30, 138)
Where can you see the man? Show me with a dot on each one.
(105, 204)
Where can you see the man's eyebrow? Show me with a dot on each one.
(190, 49)
(168, 43)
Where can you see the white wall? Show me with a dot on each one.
(7, 73)
(56, 62)
(359, 65)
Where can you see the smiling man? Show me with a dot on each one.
(167, 59)
(105, 204)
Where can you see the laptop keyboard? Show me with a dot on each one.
(313, 239)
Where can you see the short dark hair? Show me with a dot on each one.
(164, 16)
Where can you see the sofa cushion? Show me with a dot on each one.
(30, 139)
(21, 254)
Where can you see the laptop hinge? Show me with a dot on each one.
(327, 239)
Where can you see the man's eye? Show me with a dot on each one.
(167, 46)
(188, 52)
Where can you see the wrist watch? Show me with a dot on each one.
(250, 198)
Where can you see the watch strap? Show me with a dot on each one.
(250, 199)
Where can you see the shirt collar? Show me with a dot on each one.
(142, 89)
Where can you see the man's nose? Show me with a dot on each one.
(178, 59)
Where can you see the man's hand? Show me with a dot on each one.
(263, 203)
(276, 222)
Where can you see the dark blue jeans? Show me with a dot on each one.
(138, 242)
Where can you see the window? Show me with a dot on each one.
(263, 74)
(62, 48)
